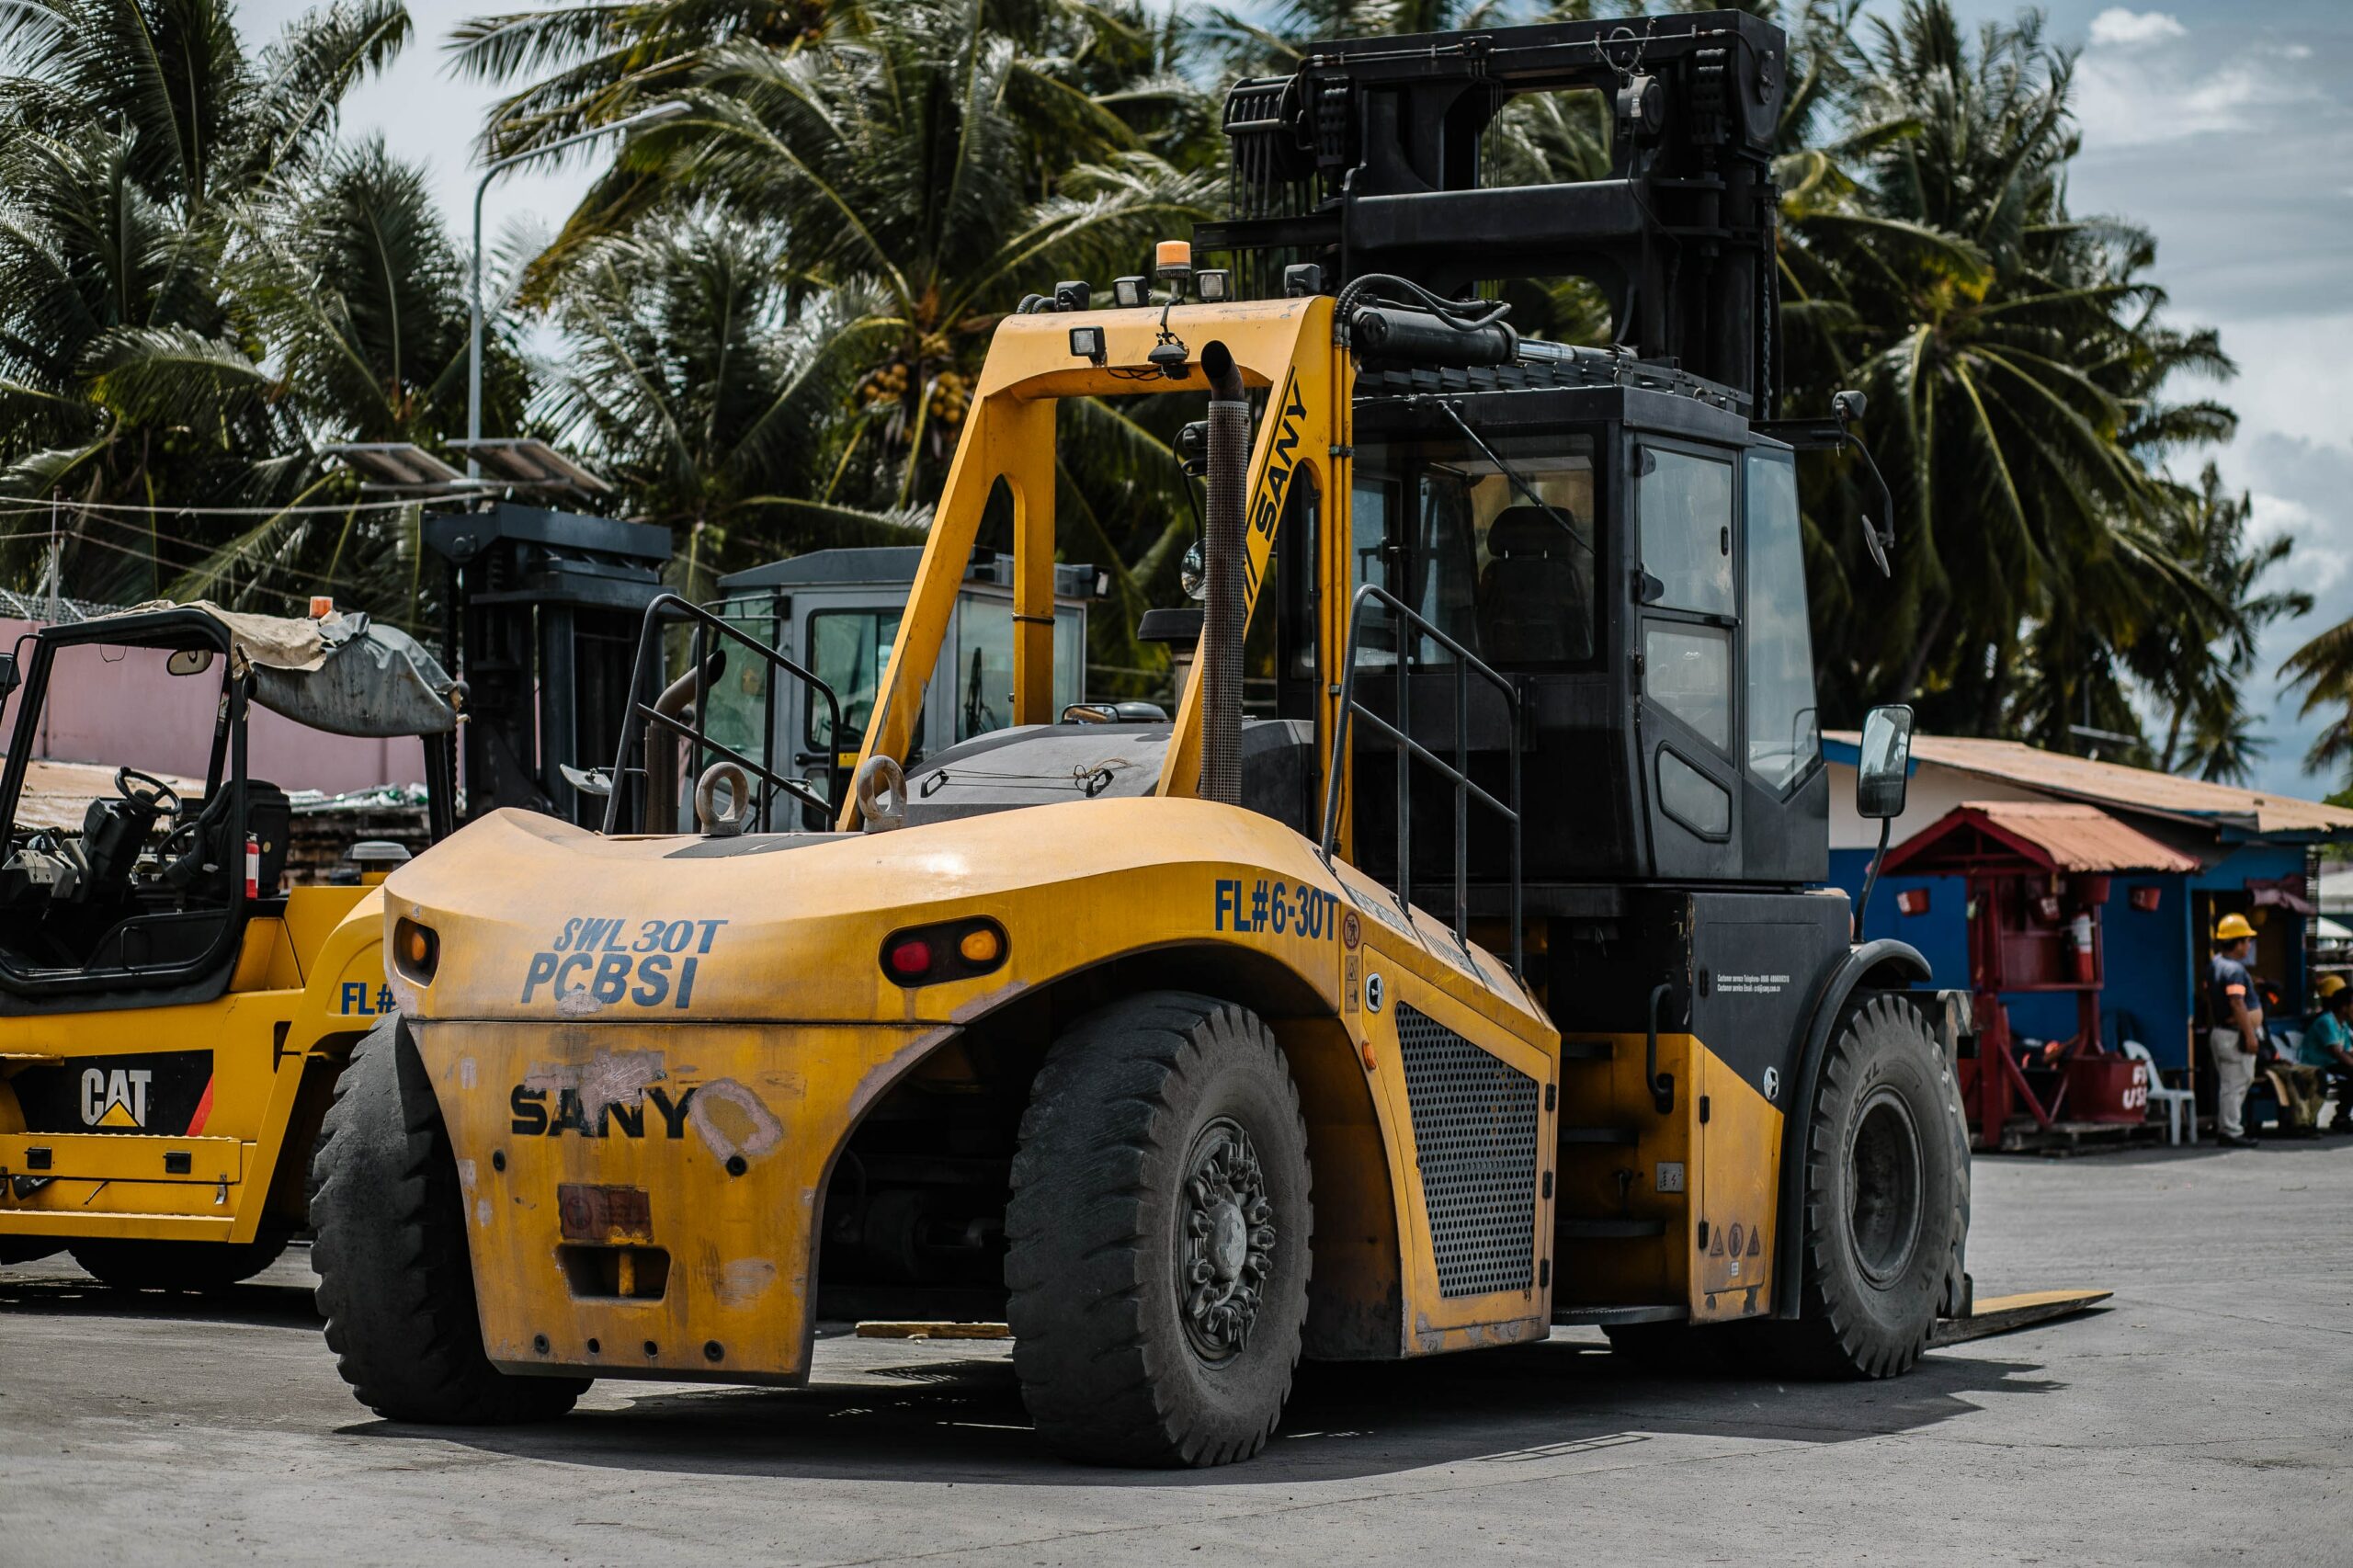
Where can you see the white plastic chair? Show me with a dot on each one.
(2181, 1104)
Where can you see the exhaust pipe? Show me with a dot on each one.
(1224, 616)
(663, 779)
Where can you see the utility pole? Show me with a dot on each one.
(654, 116)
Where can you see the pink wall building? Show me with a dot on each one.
(119, 707)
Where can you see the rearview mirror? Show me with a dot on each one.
(1884, 766)
(190, 662)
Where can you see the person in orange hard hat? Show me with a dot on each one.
(2237, 1038)
(2328, 1045)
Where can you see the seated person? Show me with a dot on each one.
(2327, 1045)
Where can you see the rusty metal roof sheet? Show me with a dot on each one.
(2079, 838)
(2254, 811)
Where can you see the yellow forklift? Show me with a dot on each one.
(171, 1017)
(1481, 986)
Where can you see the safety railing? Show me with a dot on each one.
(644, 717)
(1412, 629)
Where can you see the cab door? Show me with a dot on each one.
(1686, 655)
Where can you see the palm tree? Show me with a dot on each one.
(1077, 81)
(133, 132)
(716, 409)
(899, 165)
(2013, 359)
(356, 295)
(2323, 668)
(2197, 663)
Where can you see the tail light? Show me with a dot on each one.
(416, 951)
(953, 949)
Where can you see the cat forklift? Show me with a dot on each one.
(171, 1017)
(1481, 988)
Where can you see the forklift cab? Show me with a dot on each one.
(837, 612)
(135, 888)
(1631, 559)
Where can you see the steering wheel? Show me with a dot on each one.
(158, 800)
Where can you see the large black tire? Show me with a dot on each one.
(177, 1265)
(396, 1285)
(1159, 1235)
(1886, 1214)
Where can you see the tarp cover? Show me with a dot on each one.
(341, 674)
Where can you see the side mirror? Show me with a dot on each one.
(9, 679)
(190, 662)
(1883, 769)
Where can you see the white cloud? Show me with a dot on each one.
(2133, 102)
(2317, 566)
(2129, 29)
(2295, 375)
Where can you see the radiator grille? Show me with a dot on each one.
(1474, 1128)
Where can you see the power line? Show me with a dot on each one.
(284, 594)
(20, 508)
(237, 561)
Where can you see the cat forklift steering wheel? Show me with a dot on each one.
(159, 799)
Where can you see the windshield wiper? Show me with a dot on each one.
(1511, 474)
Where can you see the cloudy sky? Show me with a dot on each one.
(2225, 126)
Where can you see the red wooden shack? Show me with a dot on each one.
(2038, 877)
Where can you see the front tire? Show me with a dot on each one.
(395, 1282)
(1159, 1233)
(1886, 1210)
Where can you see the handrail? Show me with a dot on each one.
(665, 609)
(1466, 663)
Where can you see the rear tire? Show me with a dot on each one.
(1886, 1210)
(396, 1283)
(1159, 1233)
(200, 1267)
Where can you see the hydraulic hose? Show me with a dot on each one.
(1224, 613)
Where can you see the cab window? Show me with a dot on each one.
(1683, 504)
(1784, 735)
(849, 649)
(983, 687)
(739, 697)
(1440, 525)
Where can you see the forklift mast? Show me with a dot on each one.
(1614, 527)
(1370, 160)
(543, 625)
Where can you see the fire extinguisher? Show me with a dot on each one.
(2079, 933)
(253, 866)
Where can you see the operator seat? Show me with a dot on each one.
(1534, 595)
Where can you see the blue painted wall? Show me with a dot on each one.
(2149, 955)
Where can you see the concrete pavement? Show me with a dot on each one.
(2206, 1416)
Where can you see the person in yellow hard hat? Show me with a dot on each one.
(2328, 1045)
(2237, 1038)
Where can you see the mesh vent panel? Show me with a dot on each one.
(1474, 1127)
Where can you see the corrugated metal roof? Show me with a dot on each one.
(2129, 788)
(2080, 837)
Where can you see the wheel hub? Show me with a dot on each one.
(1225, 1240)
(1884, 1195)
